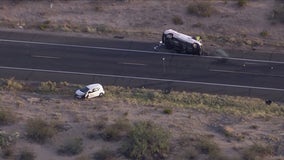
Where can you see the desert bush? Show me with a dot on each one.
(104, 154)
(264, 33)
(71, 147)
(7, 139)
(26, 155)
(197, 146)
(7, 117)
(146, 141)
(48, 86)
(242, 3)
(39, 130)
(45, 25)
(257, 151)
(202, 9)
(116, 131)
(177, 20)
(12, 84)
(168, 111)
(207, 146)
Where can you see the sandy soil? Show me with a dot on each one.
(79, 117)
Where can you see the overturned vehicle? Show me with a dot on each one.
(182, 43)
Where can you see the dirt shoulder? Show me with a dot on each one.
(201, 126)
(227, 25)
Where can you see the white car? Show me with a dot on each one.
(90, 91)
(181, 42)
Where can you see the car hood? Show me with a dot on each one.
(79, 93)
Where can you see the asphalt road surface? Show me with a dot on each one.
(135, 64)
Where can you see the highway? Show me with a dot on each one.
(43, 57)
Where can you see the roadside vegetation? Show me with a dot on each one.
(146, 140)
(212, 103)
(142, 139)
(202, 9)
(39, 131)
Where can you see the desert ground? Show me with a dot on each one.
(256, 24)
(99, 127)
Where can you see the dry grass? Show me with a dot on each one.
(26, 154)
(39, 131)
(71, 147)
(202, 9)
(116, 131)
(7, 116)
(257, 151)
(199, 147)
(146, 140)
(111, 122)
(211, 103)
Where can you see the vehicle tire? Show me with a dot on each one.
(196, 49)
(86, 96)
(167, 39)
(101, 94)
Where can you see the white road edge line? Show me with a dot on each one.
(47, 57)
(132, 50)
(134, 64)
(247, 73)
(145, 78)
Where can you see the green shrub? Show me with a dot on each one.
(48, 86)
(116, 131)
(104, 154)
(71, 147)
(146, 141)
(242, 3)
(7, 117)
(177, 20)
(168, 111)
(202, 9)
(26, 155)
(39, 130)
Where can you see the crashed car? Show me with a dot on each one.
(90, 91)
(182, 43)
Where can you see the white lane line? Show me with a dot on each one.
(137, 51)
(246, 73)
(77, 46)
(134, 64)
(145, 78)
(47, 57)
(244, 59)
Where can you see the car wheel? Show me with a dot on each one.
(196, 49)
(101, 94)
(86, 96)
(167, 39)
